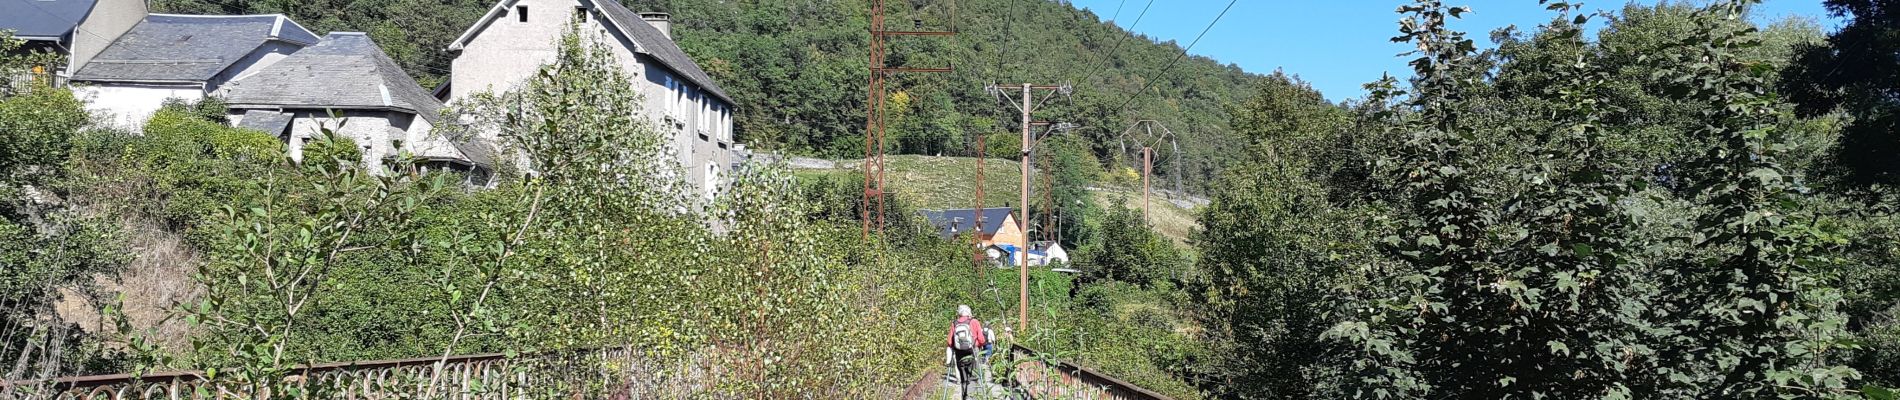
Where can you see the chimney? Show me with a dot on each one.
(660, 21)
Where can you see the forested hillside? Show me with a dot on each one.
(798, 69)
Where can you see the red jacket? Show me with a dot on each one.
(976, 329)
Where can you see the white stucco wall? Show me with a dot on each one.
(506, 53)
(127, 106)
(376, 133)
(108, 20)
(371, 130)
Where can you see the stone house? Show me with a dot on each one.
(347, 84)
(185, 57)
(77, 29)
(516, 37)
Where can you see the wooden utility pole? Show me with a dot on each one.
(1147, 169)
(1146, 143)
(976, 240)
(1028, 107)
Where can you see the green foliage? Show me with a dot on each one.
(1856, 72)
(1518, 241)
(328, 150)
(1130, 251)
(181, 170)
(1768, 321)
(1119, 328)
(38, 65)
(48, 248)
(272, 255)
(209, 108)
(1070, 170)
(36, 132)
(590, 247)
(1272, 245)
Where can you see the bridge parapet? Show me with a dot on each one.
(602, 371)
(1041, 377)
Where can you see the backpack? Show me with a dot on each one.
(963, 338)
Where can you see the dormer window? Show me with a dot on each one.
(521, 13)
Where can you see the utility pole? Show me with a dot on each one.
(976, 240)
(872, 213)
(1146, 143)
(1028, 92)
(1147, 169)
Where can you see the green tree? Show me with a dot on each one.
(1130, 251)
(1855, 71)
(46, 245)
(1523, 270)
(1272, 244)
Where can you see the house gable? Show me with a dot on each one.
(500, 51)
(1009, 233)
(634, 37)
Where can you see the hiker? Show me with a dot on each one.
(967, 336)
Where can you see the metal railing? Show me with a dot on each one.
(1044, 378)
(591, 373)
(20, 81)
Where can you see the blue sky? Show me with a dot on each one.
(1338, 45)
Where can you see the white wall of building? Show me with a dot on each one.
(108, 20)
(375, 132)
(506, 53)
(127, 106)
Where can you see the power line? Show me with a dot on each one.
(1095, 67)
(1177, 57)
(1009, 32)
(1118, 10)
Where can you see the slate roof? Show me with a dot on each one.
(344, 71)
(436, 147)
(661, 47)
(270, 122)
(188, 48)
(43, 19)
(476, 150)
(958, 221)
(649, 40)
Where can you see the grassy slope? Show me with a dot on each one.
(931, 182)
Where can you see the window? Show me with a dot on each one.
(521, 13)
(580, 14)
(679, 102)
(672, 106)
(705, 113)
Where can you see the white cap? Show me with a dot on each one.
(963, 310)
